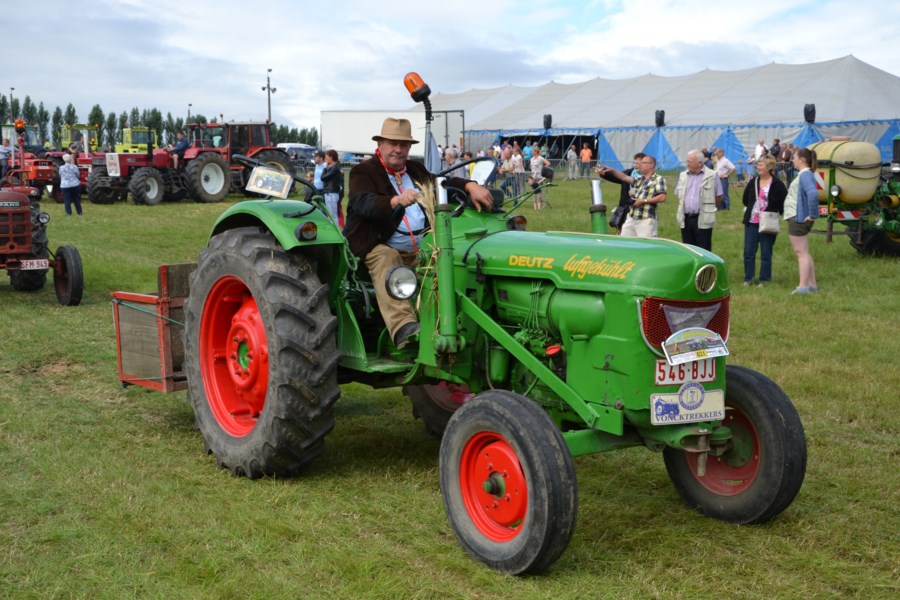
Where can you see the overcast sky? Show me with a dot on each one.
(353, 55)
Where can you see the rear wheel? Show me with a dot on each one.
(68, 276)
(208, 177)
(147, 186)
(508, 483)
(877, 243)
(261, 355)
(762, 470)
(435, 404)
(98, 189)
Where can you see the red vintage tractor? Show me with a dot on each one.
(25, 251)
(208, 172)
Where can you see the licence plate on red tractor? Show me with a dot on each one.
(34, 264)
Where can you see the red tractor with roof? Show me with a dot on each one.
(28, 165)
(206, 173)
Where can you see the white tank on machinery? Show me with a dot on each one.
(854, 166)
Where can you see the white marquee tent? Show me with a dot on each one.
(727, 109)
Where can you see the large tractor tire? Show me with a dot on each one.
(97, 192)
(146, 186)
(208, 177)
(261, 355)
(763, 468)
(508, 483)
(275, 159)
(877, 243)
(68, 276)
(435, 404)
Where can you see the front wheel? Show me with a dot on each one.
(508, 483)
(68, 276)
(147, 187)
(260, 355)
(763, 467)
(98, 189)
(208, 177)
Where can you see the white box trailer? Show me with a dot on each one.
(351, 131)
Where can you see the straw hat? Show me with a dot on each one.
(396, 130)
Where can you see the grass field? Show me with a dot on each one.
(107, 493)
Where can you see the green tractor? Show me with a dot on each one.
(534, 348)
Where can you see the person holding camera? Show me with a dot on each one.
(645, 192)
(624, 205)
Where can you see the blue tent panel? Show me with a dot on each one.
(606, 155)
(734, 149)
(658, 147)
(809, 135)
(886, 143)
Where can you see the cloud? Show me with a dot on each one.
(353, 55)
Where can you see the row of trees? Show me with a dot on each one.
(110, 125)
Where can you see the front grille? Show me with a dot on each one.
(15, 230)
(656, 328)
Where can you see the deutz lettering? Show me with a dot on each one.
(614, 269)
(531, 261)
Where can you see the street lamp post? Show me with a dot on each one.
(269, 91)
(11, 115)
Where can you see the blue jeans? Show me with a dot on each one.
(726, 199)
(72, 197)
(765, 241)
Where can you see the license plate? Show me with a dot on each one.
(690, 404)
(703, 371)
(33, 264)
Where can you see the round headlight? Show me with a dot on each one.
(517, 223)
(706, 278)
(401, 283)
(43, 218)
(835, 191)
(307, 231)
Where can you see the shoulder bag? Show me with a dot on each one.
(769, 222)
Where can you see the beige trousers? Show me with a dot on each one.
(382, 258)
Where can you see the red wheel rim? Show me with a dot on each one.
(493, 486)
(234, 356)
(737, 469)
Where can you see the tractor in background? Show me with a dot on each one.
(860, 191)
(207, 174)
(136, 140)
(29, 165)
(86, 140)
(244, 138)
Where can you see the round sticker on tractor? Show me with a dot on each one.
(690, 396)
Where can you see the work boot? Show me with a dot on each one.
(401, 338)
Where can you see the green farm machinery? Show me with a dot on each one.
(534, 348)
(856, 191)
